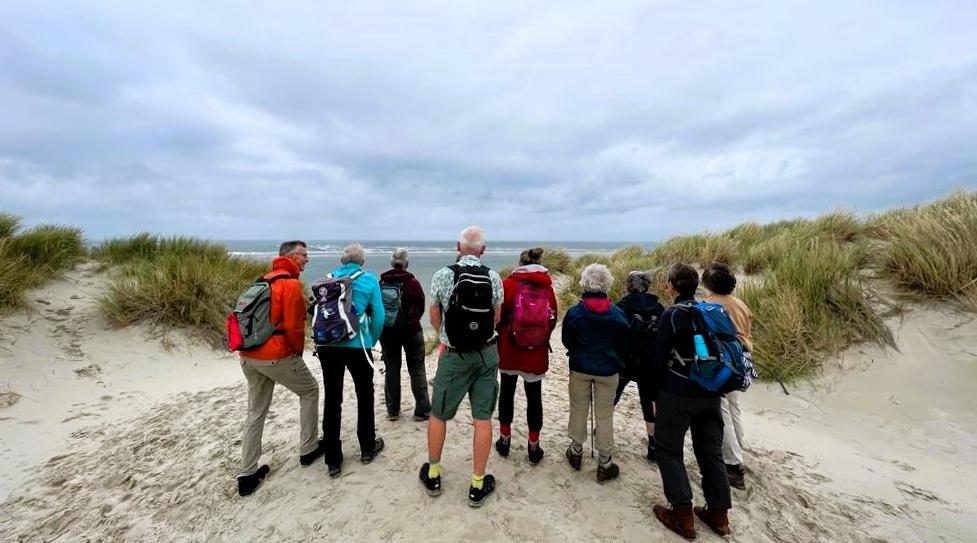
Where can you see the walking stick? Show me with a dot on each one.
(593, 415)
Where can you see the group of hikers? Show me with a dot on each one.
(493, 332)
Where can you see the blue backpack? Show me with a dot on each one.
(728, 367)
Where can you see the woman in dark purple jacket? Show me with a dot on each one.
(403, 300)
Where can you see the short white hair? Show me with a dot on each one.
(472, 238)
(596, 278)
(399, 258)
(353, 253)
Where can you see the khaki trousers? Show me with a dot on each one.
(293, 374)
(604, 390)
(732, 429)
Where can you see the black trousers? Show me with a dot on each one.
(335, 361)
(534, 401)
(413, 348)
(676, 415)
(644, 391)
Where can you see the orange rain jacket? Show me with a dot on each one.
(288, 311)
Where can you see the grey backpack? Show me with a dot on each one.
(249, 325)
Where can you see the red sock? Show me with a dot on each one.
(505, 430)
(534, 437)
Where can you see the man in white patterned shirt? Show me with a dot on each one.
(465, 308)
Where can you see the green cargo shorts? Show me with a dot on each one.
(476, 374)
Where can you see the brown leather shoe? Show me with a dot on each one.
(574, 458)
(678, 519)
(608, 472)
(715, 519)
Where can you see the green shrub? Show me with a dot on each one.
(179, 290)
(9, 224)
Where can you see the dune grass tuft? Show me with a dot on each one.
(179, 290)
(9, 224)
(147, 246)
(932, 252)
(31, 257)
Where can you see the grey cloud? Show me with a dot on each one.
(579, 122)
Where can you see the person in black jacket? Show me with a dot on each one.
(643, 311)
(404, 333)
(682, 404)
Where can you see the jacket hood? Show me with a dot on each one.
(395, 275)
(534, 273)
(596, 303)
(282, 263)
(347, 269)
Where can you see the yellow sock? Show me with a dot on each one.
(477, 481)
(434, 470)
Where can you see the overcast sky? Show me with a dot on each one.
(385, 121)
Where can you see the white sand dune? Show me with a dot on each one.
(111, 437)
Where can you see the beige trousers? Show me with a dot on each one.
(732, 429)
(604, 389)
(293, 374)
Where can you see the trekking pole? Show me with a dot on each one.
(593, 415)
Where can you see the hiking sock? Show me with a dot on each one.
(434, 469)
(534, 437)
(534, 445)
(478, 481)
(577, 448)
(506, 431)
(604, 459)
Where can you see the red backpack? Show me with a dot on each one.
(531, 316)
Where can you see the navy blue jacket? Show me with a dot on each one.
(595, 333)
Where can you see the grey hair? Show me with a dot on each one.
(596, 278)
(638, 281)
(353, 253)
(399, 258)
(472, 239)
(289, 247)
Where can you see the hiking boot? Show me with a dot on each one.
(308, 459)
(716, 519)
(574, 458)
(651, 450)
(366, 458)
(422, 418)
(393, 416)
(736, 476)
(335, 469)
(247, 484)
(476, 496)
(677, 518)
(608, 472)
(502, 446)
(535, 455)
(433, 486)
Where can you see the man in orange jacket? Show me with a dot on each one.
(279, 360)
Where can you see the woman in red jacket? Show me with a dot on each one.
(528, 319)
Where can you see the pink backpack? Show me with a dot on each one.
(531, 316)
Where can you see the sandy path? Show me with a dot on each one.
(877, 449)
